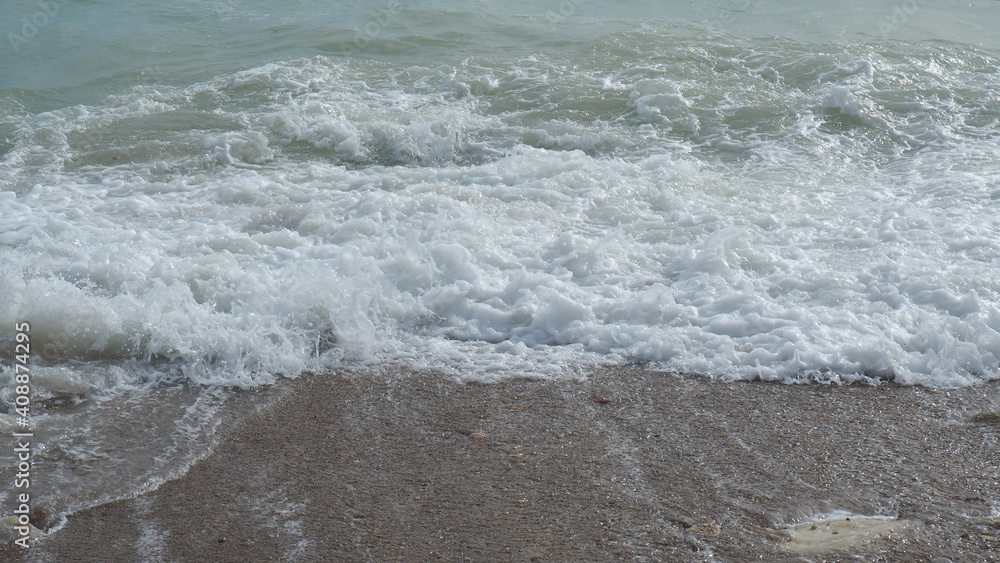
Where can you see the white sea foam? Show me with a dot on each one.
(775, 214)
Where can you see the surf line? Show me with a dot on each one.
(22, 439)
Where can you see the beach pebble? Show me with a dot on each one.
(986, 418)
(706, 530)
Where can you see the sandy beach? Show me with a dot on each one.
(628, 464)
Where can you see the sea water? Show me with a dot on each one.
(200, 195)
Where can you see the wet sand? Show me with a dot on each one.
(629, 464)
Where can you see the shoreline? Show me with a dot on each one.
(629, 463)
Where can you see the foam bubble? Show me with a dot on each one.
(842, 531)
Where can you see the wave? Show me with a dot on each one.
(755, 209)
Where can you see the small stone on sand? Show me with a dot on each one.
(706, 530)
(986, 417)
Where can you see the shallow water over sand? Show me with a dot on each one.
(196, 196)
